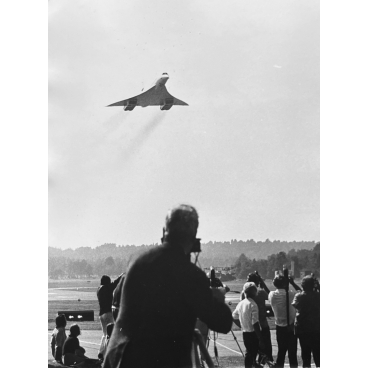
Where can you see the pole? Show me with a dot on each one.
(286, 276)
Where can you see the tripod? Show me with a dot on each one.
(204, 355)
(208, 338)
(236, 340)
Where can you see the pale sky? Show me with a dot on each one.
(245, 152)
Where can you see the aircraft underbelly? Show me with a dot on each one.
(155, 98)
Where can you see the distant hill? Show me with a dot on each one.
(112, 259)
(225, 253)
(211, 250)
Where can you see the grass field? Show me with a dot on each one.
(81, 295)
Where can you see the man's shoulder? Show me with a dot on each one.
(245, 302)
(148, 253)
(247, 305)
(242, 302)
(145, 256)
(196, 272)
(272, 293)
(161, 254)
(101, 289)
(253, 303)
(300, 294)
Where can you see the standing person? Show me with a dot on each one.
(104, 296)
(163, 295)
(116, 298)
(307, 321)
(287, 342)
(260, 299)
(58, 337)
(245, 316)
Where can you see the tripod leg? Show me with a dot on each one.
(237, 342)
(202, 347)
(215, 348)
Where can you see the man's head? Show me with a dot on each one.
(60, 321)
(250, 289)
(253, 277)
(181, 226)
(74, 330)
(279, 282)
(308, 283)
(105, 280)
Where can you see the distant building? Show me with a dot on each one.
(219, 271)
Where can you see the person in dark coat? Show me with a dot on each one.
(104, 296)
(163, 295)
(307, 320)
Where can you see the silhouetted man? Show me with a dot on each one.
(104, 296)
(163, 295)
(307, 321)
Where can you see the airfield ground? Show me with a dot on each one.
(81, 295)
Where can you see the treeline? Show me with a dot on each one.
(304, 260)
(214, 252)
(62, 267)
(112, 259)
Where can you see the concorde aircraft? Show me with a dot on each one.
(156, 95)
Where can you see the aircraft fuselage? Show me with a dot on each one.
(162, 80)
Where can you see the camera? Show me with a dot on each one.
(260, 280)
(216, 282)
(196, 246)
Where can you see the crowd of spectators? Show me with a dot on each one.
(158, 331)
(297, 317)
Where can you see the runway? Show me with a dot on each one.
(90, 338)
(226, 344)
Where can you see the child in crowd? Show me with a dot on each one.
(58, 337)
(73, 353)
(245, 316)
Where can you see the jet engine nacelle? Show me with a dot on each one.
(131, 105)
(166, 105)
